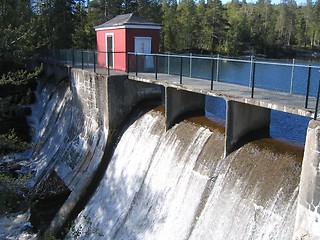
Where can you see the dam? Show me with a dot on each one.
(145, 173)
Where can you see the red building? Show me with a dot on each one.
(126, 33)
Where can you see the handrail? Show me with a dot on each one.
(223, 59)
(215, 68)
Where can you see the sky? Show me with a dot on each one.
(299, 2)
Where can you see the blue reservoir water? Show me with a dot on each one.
(284, 126)
(280, 76)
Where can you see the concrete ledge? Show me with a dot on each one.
(243, 119)
(179, 102)
(307, 225)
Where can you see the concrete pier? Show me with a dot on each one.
(243, 119)
(307, 225)
(124, 94)
(179, 102)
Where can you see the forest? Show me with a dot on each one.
(233, 28)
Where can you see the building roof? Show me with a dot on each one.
(129, 20)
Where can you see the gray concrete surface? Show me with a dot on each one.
(243, 119)
(284, 102)
(307, 224)
(179, 102)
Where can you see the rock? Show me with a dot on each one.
(46, 200)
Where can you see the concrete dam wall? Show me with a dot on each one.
(164, 179)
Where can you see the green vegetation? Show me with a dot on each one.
(12, 191)
(15, 92)
(20, 77)
(11, 142)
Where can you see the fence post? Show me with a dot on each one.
(168, 63)
(292, 77)
(217, 78)
(136, 57)
(180, 70)
(94, 61)
(82, 60)
(156, 66)
(253, 78)
(190, 68)
(308, 86)
(317, 102)
(212, 73)
(251, 69)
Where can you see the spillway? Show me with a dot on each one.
(159, 184)
(177, 185)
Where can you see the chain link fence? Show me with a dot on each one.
(287, 76)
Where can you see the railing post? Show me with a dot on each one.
(94, 61)
(156, 67)
(180, 70)
(292, 77)
(308, 86)
(217, 78)
(168, 63)
(136, 57)
(253, 78)
(251, 68)
(190, 68)
(82, 60)
(108, 65)
(317, 102)
(212, 73)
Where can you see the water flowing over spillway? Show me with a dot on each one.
(159, 184)
(177, 185)
(68, 137)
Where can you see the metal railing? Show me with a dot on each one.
(293, 77)
(102, 62)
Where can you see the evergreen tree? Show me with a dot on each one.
(216, 25)
(187, 21)
(170, 25)
(238, 35)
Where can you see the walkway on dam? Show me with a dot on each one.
(285, 102)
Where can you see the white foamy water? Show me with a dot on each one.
(159, 185)
(176, 185)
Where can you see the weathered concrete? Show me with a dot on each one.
(307, 225)
(179, 102)
(243, 119)
(89, 95)
(102, 104)
(124, 94)
(285, 102)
